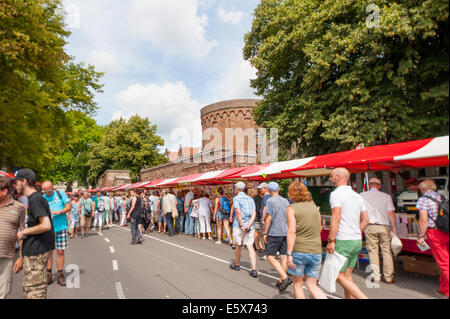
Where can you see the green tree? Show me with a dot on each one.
(128, 145)
(71, 164)
(39, 84)
(329, 81)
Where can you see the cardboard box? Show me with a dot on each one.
(421, 265)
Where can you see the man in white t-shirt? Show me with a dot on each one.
(378, 233)
(349, 219)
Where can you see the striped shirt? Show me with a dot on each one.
(12, 215)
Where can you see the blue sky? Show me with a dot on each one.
(163, 59)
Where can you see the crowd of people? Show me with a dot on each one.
(286, 230)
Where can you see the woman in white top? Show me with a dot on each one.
(204, 215)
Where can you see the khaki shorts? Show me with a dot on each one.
(86, 221)
(242, 238)
(6, 272)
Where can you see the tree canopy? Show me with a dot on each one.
(39, 85)
(127, 144)
(329, 81)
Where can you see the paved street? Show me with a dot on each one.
(186, 267)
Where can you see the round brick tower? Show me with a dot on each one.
(228, 114)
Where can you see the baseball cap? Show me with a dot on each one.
(374, 180)
(262, 185)
(25, 173)
(240, 185)
(273, 186)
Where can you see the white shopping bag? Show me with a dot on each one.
(396, 244)
(330, 271)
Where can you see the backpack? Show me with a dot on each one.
(87, 212)
(224, 205)
(441, 220)
(101, 205)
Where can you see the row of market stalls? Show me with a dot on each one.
(392, 157)
(432, 152)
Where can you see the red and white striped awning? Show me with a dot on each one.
(6, 174)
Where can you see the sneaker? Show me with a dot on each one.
(61, 280)
(254, 273)
(218, 242)
(284, 284)
(234, 267)
(278, 284)
(49, 277)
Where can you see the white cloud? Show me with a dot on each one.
(170, 106)
(233, 17)
(235, 82)
(172, 26)
(104, 61)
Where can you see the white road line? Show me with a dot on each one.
(115, 265)
(107, 240)
(216, 259)
(101, 234)
(119, 290)
(111, 248)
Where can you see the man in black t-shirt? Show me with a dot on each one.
(38, 236)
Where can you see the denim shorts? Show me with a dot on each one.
(221, 216)
(306, 265)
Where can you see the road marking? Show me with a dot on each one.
(216, 259)
(119, 290)
(101, 234)
(111, 248)
(107, 240)
(115, 265)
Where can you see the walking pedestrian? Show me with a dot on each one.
(275, 233)
(430, 206)
(243, 229)
(188, 206)
(87, 211)
(349, 219)
(259, 240)
(153, 201)
(108, 210)
(133, 215)
(75, 216)
(304, 243)
(169, 205)
(60, 205)
(38, 236)
(381, 212)
(123, 211)
(221, 216)
(179, 223)
(100, 211)
(12, 217)
(204, 215)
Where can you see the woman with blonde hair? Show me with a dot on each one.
(304, 244)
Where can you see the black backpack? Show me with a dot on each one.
(441, 220)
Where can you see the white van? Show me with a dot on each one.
(407, 200)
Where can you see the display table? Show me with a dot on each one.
(409, 244)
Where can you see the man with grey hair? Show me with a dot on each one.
(349, 218)
(243, 229)
(381, 212)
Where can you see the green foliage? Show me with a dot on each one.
(131, 145)
(39, 85)
(329, 82)
(71, 165)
